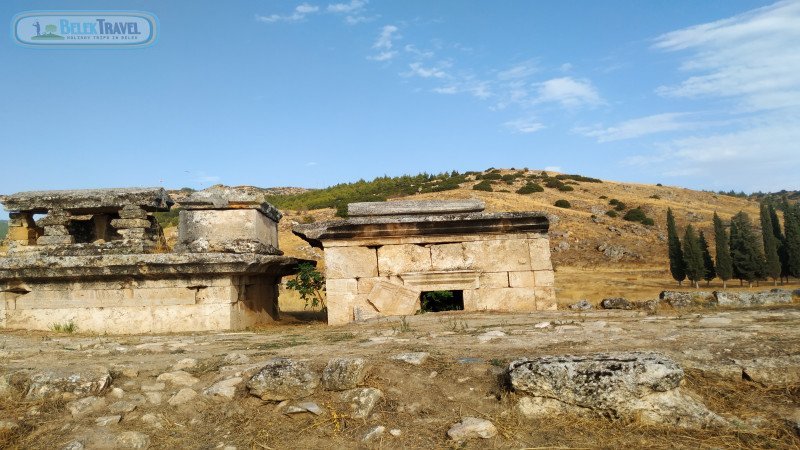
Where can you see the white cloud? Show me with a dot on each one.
(386, 38)
(523, 70)
(524, 126)
(568, 92)
(753, 58)
(635, 128)
(347, 8)
(383, 56)
(418, 70)
(300, 12)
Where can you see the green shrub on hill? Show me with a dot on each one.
(579, 178)
(530, 188)
(484, 185)
(3, 229)
(637, 215)
(565, 188)
(562, 204)
(169, 218)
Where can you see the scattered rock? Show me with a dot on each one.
(472, 427)
(541, 325)
(225, 389)
(151, 387)
(373, 433)
(745, 299)
(311, 407)
(133, 440)
(616, 385)
(342, 374)
(395, 432)
(616, 303)
(361, 401)
(107, 420)
(612, 252)
(283, 379)
(415, 358)
(678, 299)
(772, 371)
(186, 363)
(121, 407)
(73, 445)
(124, 370)
(84, 406)
(236, 358)
(85, 381)
(152, 420)
(178, 378)
(116, 393)
(153, 398)
(183, 396)
(491, 335)
(582, 305)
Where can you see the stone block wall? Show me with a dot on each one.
(499, 273)
(133, 306)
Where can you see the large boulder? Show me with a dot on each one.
(342, 374)
(56, 382)
(679, 299)
(625, 385)
(283, 379)
(744, 299)
(616, 303)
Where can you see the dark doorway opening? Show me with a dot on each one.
(437, 301)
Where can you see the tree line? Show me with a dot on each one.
(739, 253)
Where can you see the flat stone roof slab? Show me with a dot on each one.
(147, 198)
(414, 207)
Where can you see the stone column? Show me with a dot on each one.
(21, 230)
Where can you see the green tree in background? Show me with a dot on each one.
(791, 224)
(708, 262)
(748, 262)
(677, 267)
(772, 262)
(776, 230)
(723, 252)
(693, 256)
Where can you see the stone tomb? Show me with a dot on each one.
(386, 254)
(110, 280)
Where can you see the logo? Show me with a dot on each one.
(84, 29)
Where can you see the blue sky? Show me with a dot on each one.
(278, 93)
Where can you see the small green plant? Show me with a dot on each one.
(562, 204)
(68, 327)
(637, 215)
(565, 188)
(310, 284)
(497, 362)
(611, 213)
(484, 185)
(655, 197)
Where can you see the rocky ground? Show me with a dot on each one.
(433, 380)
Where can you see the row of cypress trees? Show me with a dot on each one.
(738, 252)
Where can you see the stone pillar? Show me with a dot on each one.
(141, 235)
(21, 230)
(55, 229)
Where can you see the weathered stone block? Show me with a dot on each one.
(346, 285)
(54, 218)
(340, 306)
(494, 279)
(134, 233)
(394, 299)
(521, 279)
(397, 259)
(540, 254)
(55, 240)
(56, 230)
(506, 299)
(227, 230)
(21, 234)
(500, 255)
(545, 278)
(441, 280)
(130, 223)
(451, 257)
(20, 220)
(132, 212)
(351, 262)
(546, 299)
(414, 207)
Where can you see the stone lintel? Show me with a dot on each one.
(230, 200)
(364, 228)
(88, 200)
(414, 207)
(38, 267)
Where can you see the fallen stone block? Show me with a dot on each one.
(392, 299)
(616, 303)
(283, 379)
(745, 299)
(679, 299)
(342, 374)
(361, 401)
(625, 385)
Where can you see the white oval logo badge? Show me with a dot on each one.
(84, 29)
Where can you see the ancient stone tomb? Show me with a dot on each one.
(96, 258)
(388, 255)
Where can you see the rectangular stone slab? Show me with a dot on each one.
(149, 199)
(414, 207)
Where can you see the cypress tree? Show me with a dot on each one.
(748, 261)
(693, 256)
(776, 230)
(734, 236)
(791, 223)
(772, 262)
(677, 266)
(708, 263)
(723, 252)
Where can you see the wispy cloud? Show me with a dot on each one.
(568, 92)
(384, 43)
(639, 127)
(416, 69)
(299, 13)
(524, 126)
(752, 58)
